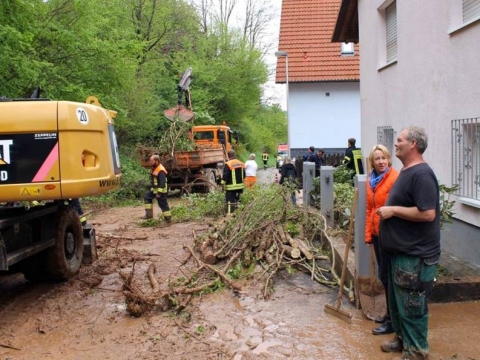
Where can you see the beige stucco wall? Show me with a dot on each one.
(436, 78)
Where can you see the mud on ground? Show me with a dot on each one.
(86, 318)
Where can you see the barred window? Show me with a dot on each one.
(466, 157)
(385, 136)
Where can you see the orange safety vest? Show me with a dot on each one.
(154, 174)
(237, 170)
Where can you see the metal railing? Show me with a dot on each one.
(466, 157)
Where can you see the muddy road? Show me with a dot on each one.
(86, 318)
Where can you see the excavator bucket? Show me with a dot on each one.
(179, 112)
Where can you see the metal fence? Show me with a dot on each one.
(466, 157)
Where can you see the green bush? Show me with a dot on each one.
(199, 206)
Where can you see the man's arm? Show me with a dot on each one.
(161, 179)
(406, 213)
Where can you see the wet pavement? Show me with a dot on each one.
(293, 325)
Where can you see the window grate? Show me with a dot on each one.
(466, 157)
(385, 135)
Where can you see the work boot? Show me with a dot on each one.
(385, 328)
(148, 214)
(168, 219)
(394, 345)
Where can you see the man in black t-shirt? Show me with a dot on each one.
(410, 235)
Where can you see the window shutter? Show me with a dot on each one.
(391, 21)
(471, 10)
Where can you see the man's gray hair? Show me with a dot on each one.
(418, 135)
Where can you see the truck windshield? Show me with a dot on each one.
(204, 135)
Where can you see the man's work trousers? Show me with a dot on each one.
(162, 202)
(410, 284)
(232, 197)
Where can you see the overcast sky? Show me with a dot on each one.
(273, 93)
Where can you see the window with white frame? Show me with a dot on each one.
(463, 13)
(466, 157)
(391, 32)
(348, 48)
(470, 10)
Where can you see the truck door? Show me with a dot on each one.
(221, 138)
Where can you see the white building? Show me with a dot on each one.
(323, 78)
(420, 66)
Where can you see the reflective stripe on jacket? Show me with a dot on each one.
(159, 179)
(353, 160)
(234, 174)
(358, 161)
(264, 156)
(375, 200)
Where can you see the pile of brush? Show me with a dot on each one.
(265, 235)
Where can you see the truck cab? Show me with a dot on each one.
(214, 134)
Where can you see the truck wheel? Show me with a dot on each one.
(211, 182)
(63, 260)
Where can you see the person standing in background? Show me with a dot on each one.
(265, 159)
(309, 154)
(288, 178)
(158, 190)
(233, 181)
(353, 158)
(251, 171)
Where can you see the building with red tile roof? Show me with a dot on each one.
(323, 77)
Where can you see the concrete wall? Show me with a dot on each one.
(434, 80)
(324, 121)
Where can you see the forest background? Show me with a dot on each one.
(131, 54)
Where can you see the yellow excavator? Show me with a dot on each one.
(50, 153)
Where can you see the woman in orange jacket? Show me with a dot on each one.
(379, 183)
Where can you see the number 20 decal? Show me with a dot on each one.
(82, 116)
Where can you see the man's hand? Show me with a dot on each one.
(158, 194)
(385, 212)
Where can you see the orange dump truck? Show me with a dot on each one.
(200, 169)
(51, 152)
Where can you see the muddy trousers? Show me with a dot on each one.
(162, 203)
(232, 197)
(410, 283)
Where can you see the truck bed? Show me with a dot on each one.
(204, 154)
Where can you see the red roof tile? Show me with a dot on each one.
(306, 29)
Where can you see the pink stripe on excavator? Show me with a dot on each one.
(47, 165)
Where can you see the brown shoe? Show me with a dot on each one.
(394, 345)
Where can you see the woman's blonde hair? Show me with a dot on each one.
(287, 160)
(385, 152)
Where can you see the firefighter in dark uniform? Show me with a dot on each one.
(233, 181)
(353, 158)
(159, 189)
